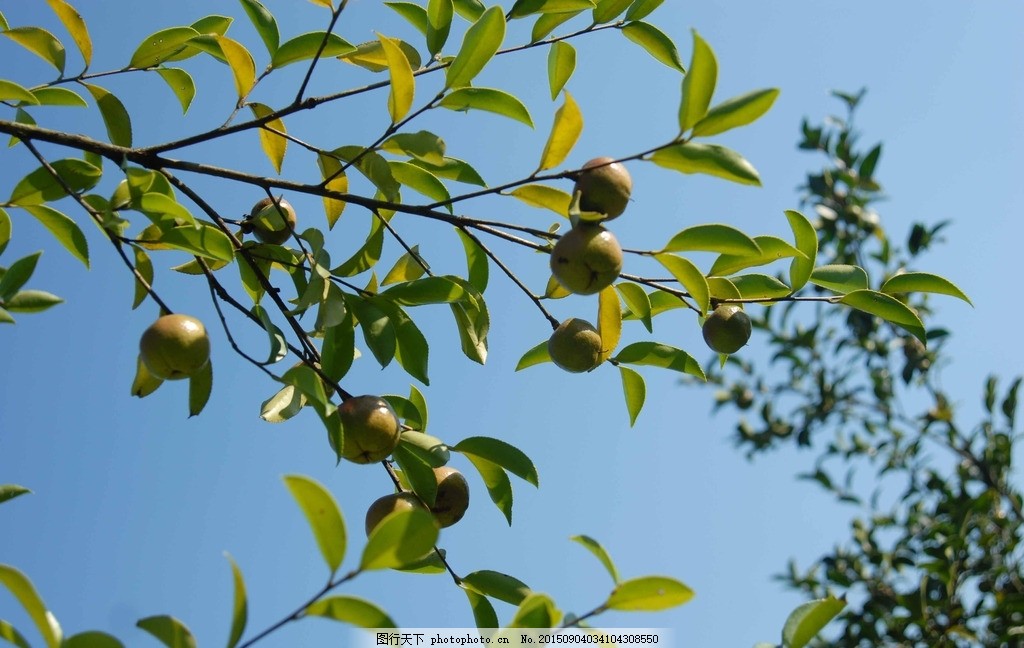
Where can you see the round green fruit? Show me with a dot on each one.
(272, 223)
(604, 187)
(175, 347)
(586, 259)
(575, 346)
(727, 329)
(385, 506)
(452, 498)
(371, 429)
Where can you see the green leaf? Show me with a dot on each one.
(421, 181)
(637, 301)
(806, 239)
(648, 594)
(31, 301)
(264, 23)
(377, 330)
(483, 611)
(698, 84)
(429, 290)
(535, 356)
(283, 405)
(411, 348)
(339, 348)
(92, 639)
(547, 23)
(156, 205)
(477, 268)
(709, 159)
(350, 609)
(473, 324)
(243, 68)
(400, 539)
(240, 608)
(500, 453)
(331, 168)
(7, 631)
(544, 197)
(497, 585)
(160, 46)
(21, 587)
(922, 282)
(712, 238)
(73, 22)
(487, 99)
(429, 448)
(5, 317)
(640, 9)
(41, 43)
(323, 515)
(413, 13)
(760, 286)
(840, 278)
(10, 491)
(656, 43)
(273, 145)
(418, 473)
(453, 169)
(609, 10)
(6, 228)
(806, 621)
(65, 230)
(115, 116)
(888, 308)
(561, 64)
(660, 355)
(609, 321)
(536, 611)
(11, 91)
(18, 274)
(208, 241)
(374, 167)
(687, 274)
(594, 547)
(565, 131)
(305, 46)
(57, 96)
(200, 385)
(168, 630)
(772, 249)
(144, 382)
(409, 267)
(499, 488)
(738, 111)
(181, 84)
(479, 45)
(439, 23)
(40, 186)
(403, 85)
(422, 146)
(868, 164)
(370, 55)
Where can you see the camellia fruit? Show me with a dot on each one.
(272, 223)
(175, 347)
(575, 346)
(586, 259)
(385, 506)
(604, 187)
(452, 498)
(372, 431)
(727, 329)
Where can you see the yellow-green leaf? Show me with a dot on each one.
(609, 321)
(170, 631)
(144, 266)
(561, 64)
(655, 42)
(160, 46)
(690, 277)
(58, 96)
(409, 267)
(11, 91)
(807, 620)
(115, 116)
(760, 286)
(305, 46)
(805, 238)
(712, 238)
(439, 21)
(144, 383)
(608, 10)
(324, 518)
(638, 302)
(10, 634)
(403, 85)
(709, 159)
(264, 22)
(535, 356)
(565, 131)
(350, 609)
(594, 547)
(649, 594)
(41, 43)
(243, 68)
(772, 249)
(200, 385)
(635, 391)
(840, 278)
(544, 197)
(330, 170)
(65, 230)
(698, 84)
(21, 587)
(888, 308)
(479, 45)
(240, 609)
(738, 111)
(273, 145)
(181, 84)
(75, 24)
(400, 539)
(489, 99)
(923, 282)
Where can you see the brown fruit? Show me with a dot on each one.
(575, 346)
(175, 347)
(385, 506)
(604, 187)
(586, 259)
(371, 429)
(452, 498)
(272, 223)
(727, 329)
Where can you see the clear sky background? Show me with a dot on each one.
(135, 504)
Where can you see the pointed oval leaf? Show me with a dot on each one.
(10, 491)
(565, 131)
(57, 96)
(40, 186)
(5, 229)
(806, 621)
(240, 608)
(11, 91)
(169, 631)
(535, 356)
(335, 180)
(609, 321)
(805, 237)
(403, 85)
(544, 197)
(888, 308)
(561, 65)
(350, 609)
(417, 473)
(635, 391)
(439, 22)
(409, 267)
(8, 632)
(18, 274)
(274, 145)
(75, 24)
(65, 230)
(640, 9)
(536, 611)
(243, 68)
(144, 383)
(21, 587)
(655, 42)
(264, 22)
(400, 539)
(200, 385)
(160, 46)
(638, 303)
(760, 286)
(420, 180)
(115, 116)
(421, 146)
(655, 354)
(547, 23)
(722, 288)
(305, 47)
(648, 594)
(709, 159)
(181, 84)
(31, 301)
(324, 518)
(283, 405)
(712, 238)
(370, 56)
(413, 13)
(490, 100)
(479, 45)
(41, 43)
(698, 84)
(499, 488)
(501, 453)
(609, 10)
(91, 639)
(690, 277)
(594, 547)
(477, 262)
(497, 585)
(772, 249)
(923, 282)
(431, 449)
(738, 111)
(483, 612)
(840, 278)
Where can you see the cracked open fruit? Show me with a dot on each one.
(175, 347)
(586, 259)
(272, 223)
(385, 506)
(452, 498)
(371, 428)
(727, 329)
(604, 186)
(575, 346)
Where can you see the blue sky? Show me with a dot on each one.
(135, 504)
